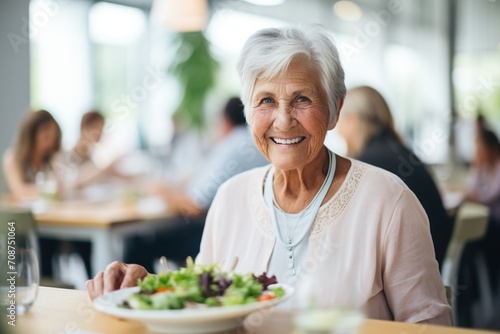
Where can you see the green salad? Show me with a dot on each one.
(201, 285)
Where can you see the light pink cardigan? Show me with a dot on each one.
(369, 245)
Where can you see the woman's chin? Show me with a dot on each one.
(288, 162)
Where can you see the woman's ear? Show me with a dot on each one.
(340, 103)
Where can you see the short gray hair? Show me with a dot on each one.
(270, 51)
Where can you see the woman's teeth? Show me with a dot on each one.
(288, 141)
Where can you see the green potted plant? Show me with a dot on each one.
(196, 69)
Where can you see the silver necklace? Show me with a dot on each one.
(311, 209)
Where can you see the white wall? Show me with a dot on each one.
(14, 70)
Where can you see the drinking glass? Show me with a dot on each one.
(46, 183)
(19, 266)
(313, 316)
(28, 279)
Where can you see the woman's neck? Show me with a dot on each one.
(295, 189)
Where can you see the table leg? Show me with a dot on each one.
(107, 244)
(102, 250)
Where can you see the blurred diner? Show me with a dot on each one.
(484, 188)
(233, 152)
(484, 179)
(30, 160)
(77, 168)
(367, 126)
(29, 168)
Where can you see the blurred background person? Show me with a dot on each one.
(367, 126)
(37, 142)
(484, 188)
(484, 182)
(233, 153)
(91, 127)
(77, 167)
(30, 161)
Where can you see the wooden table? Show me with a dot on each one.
(71, 311)
(106, 225)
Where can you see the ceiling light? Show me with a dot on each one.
(185, 15)
(265, 2)
(347, 11)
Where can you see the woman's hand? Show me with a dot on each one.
(117, 275)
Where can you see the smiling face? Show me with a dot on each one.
(289, 117)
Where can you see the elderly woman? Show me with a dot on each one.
(358, 230)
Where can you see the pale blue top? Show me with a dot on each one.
(288, 260)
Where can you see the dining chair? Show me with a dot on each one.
(25, 231)
(24, 225)
(470, 225)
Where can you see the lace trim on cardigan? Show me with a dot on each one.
(262, 214)
(327, 214)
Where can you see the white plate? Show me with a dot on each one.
(199, 320)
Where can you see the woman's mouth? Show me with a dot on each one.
(282, 141)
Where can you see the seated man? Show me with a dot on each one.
(234, 153)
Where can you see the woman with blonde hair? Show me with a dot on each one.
(372, 115)
(367, 126)
(38, 139)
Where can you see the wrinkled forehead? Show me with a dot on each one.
(298, 72)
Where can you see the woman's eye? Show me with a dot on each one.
(302, 99)
(266, 100)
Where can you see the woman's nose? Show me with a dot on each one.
(284, 118)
